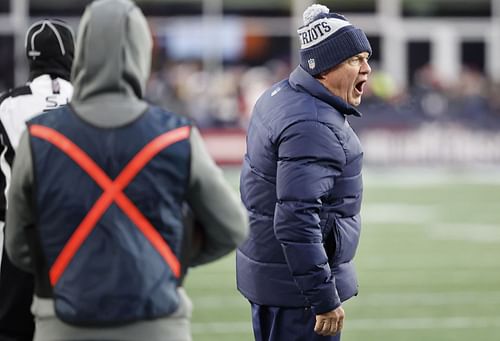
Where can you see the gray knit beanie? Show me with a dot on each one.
(327, 39)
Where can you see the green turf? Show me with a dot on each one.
(428, 264)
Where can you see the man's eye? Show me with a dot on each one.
(354, 61)
(357, 60)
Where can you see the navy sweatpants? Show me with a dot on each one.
(285, 324)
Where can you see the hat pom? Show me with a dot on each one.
(312, 12)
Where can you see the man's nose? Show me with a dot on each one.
(365, 68)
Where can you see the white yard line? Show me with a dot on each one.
(416, 177)
(410, 323)
(427, 263)
(428, 216)
(410, 299)
(229, 327)
(430, 299)
(394, 213)
(407, 176)
(483, 233)
(413, 323)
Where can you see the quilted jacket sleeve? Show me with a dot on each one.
(310, 156)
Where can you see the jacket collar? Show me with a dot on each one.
(300, 80)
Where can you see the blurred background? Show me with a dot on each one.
(429, 257)
(433, 98)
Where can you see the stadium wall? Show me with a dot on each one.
(427, 146)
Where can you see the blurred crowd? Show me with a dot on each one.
(471, 101)
(218, 99)
(224, 98)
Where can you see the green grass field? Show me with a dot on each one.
(428, 264)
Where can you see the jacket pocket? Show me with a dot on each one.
(347, 232)
(329, 236)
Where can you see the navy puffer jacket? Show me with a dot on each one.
(301, 184)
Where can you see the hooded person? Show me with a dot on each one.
(107, 176)
(301, 184)
(49, 49)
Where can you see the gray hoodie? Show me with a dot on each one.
(110, 70)
(112, 63)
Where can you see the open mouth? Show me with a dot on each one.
(360, 87)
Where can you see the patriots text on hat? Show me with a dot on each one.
(327, 39)
(319, 30)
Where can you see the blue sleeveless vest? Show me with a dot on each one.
(109, 217)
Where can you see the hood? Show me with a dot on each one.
(112, 59)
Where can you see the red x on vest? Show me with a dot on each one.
(113, 192)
